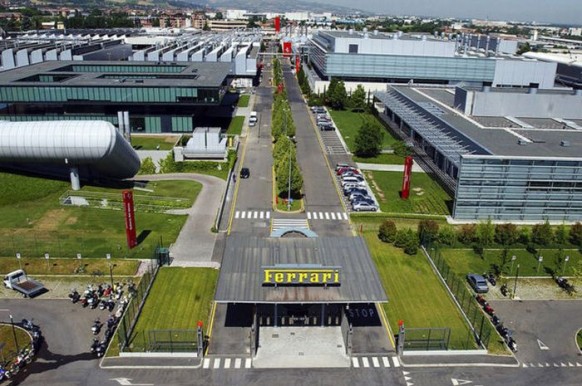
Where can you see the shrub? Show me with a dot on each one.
(428, 230)
(147, 166)
(387, 231)
(467, 234)
(542, 234)
(576, 234)
(447, 236)
(368, 142)
(506, 234)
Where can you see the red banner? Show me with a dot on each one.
(278, 24)
(297, 64)
(287, 49)
(129, 219)
(406, 179)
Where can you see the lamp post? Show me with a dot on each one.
(540, 259)
(566, 259)
(14, 334)
(515, 282)
(18, 258)
(513, 258)
(108, 256)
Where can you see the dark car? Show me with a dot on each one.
(245, 173)
(478, 283)
(349, 191)
(326, 127)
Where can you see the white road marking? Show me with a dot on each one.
(321, 215)
(206, 363)
(261, 215)
(570, 364)
(127, 382)
(243, 214)
(365, 362)
(315, 215)
(248, 363)
(385, 362)
(255, 214)
(339, 215)
(524, 365)
(375, 362)
(227, 363)
(458, 382)
(326, 216)
(542, 345)
(237, 362)
(237, 214)
(345, 216)
(332, 216)
(396, 362)
(309, 215)
(355, 362)
(217, 363)
(268, 215)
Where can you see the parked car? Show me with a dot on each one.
(350, 185)
(351, 181)
(478, 283)
(346, 169)
(364, 207)
(349, 176)
(325, 127)
(363, 200)
(245, 173)
(317, 109)
(355, 189)
(341, 165)
(358, 195)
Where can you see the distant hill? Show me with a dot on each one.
(281, 6)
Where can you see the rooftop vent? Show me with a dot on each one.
(565, 143)
(375, 32)
(522, 142)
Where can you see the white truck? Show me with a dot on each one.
(253, 118)
(19, 281)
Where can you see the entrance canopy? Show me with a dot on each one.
(298, 270)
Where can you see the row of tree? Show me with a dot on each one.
(485, 234)
(289, 180)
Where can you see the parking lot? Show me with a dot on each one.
(66, 329)
(545, 331)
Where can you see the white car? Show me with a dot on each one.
(364, 207)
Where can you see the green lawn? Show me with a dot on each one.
(349, 123)
(143, 142)
(243, 100)
(426, 196)
(579, 339)
(235, 126)
(33, 222)
(8, 352)
(384, 158)
(463, 261)
(179, 298)
(55, 266)
(415, 294)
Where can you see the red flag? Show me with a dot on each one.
(129, 218)
(278, 24)
(406, 178)
(287, 49)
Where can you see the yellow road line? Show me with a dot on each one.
(386, 324)
(211, 322)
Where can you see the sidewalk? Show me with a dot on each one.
(389, 168)
(154, 362)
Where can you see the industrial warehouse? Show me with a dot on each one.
(505, 154)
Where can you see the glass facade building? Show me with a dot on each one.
(160, 97)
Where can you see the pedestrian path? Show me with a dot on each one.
(252, 214)
(226, 363)
(342, 216)
(375, 361)
(281, 223)
(547, 364)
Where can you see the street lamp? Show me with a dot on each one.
(513, 258)
(566, 259)
(18, 258)
(540, 259)
(515, 282)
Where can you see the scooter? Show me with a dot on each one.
(96, 328)
(74, 296)
(504, 290)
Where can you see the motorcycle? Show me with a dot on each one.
(512, 344)
(504, 290)
(27, 324)
(111, 322)
(489, 310)
(93, 301)
(94, 345)
(74, 296)
(481, 300)
(495, 320)
(103, 304)
(96, 328)
(108, 334)
(4, 374)
(490, 278)
(100, 349)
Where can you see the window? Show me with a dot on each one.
(353, 49)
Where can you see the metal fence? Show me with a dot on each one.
(131, 314)
(165, 341)
(427, 339)
(482, 327)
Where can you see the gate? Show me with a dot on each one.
(427, 339)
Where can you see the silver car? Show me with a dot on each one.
(364, 207)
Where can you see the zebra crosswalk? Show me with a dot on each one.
(374, 361)
(327, 216)
(555, 364)
(252, 214)
(280, 223)
(226, 363)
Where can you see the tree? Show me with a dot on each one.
(408, 240)
(358, 98)
(542, 234)
(206, 27)
(368, 142)
(447, 235)
(576, 234)
(506, 234)
(467, 233)
(147, 166)
(387, 231)
(330, 90)
(401, 148)
(282, 149)
(339, 97)
(218, 16)
(427, 230)
(485, 233)
(283, 178)
(561, 235)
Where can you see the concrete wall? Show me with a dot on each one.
(522, 73)
(395, 46)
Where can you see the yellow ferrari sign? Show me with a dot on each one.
(299, 276)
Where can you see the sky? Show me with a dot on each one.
(549, 11)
